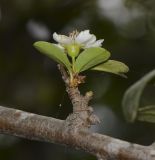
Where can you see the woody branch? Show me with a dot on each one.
(73, 131)
(36, 127)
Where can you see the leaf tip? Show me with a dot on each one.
(36, 44)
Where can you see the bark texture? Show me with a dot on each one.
(36, 127)
(82, 117)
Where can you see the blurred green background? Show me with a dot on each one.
(31, 82)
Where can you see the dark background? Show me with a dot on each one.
(30, 81)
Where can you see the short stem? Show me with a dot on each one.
(71, 76)
(73, 64)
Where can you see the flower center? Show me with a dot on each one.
(73, 34)
(73, 50)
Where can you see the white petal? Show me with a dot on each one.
(62, 39)
(91, 41)
(83, 37)
(95, 44)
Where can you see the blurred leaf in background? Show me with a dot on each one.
(132, 101)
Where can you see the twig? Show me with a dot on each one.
(82, 116)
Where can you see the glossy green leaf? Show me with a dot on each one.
(53, 52)
(91, 57)
(132, 96)
(146, 114)
(112, 66)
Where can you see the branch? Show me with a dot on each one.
(36, 127)
(74, 130)
(82, 116)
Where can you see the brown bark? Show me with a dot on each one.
(36, 127)
(82, 117)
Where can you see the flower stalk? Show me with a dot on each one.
(72, 45)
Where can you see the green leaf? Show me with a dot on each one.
(112, 66)
(53, 52)
(131, 99)
(146, 114)
(91, 57)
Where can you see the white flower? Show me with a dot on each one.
(83, 39)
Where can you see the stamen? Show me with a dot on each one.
(73, 34)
